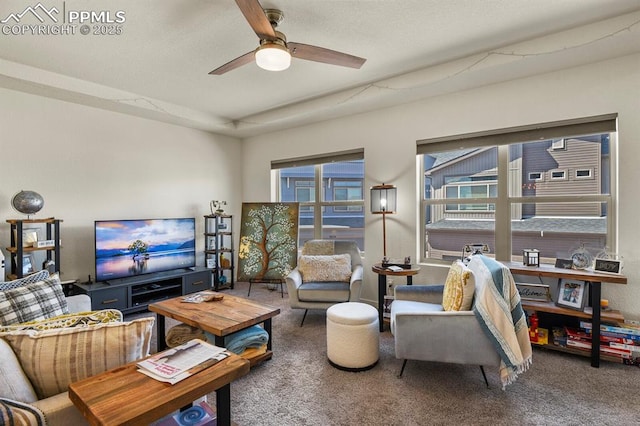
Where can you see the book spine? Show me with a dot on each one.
(633, 348)
(621, 330)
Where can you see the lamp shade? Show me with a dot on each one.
(383, 199)
(272, 56)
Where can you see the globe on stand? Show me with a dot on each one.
(27, 202)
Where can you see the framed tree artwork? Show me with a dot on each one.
(268, 248)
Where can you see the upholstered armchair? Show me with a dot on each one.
(328, 272)
(475, 318)
(434, 323)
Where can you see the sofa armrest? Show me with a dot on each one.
(294, 281)
(59, 410)
(420, 293)
(355, 284)
(79, 303)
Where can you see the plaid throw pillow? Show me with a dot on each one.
(41, 300)
(29, 279)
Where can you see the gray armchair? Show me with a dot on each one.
(323, 294)
(424, 331)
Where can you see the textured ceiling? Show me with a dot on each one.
(158, 66)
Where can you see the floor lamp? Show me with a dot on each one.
(383, 201)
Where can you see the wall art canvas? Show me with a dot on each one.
(268, 241)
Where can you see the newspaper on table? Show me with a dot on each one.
(178, 363)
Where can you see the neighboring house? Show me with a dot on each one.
(546, 168)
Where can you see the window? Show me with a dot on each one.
(461, 187)
(584, 173)
(535, 175)
(558, 144)
(501, 196)
(348, 190)
(330, 192)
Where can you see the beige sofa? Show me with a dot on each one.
(38, 365)
(14, 384)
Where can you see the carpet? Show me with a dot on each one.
(299, 387)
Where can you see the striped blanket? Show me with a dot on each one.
(499, 311)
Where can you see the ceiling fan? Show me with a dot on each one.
(274, 52)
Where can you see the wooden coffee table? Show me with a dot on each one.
(125, 396)
(219, 318)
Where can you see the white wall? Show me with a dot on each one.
(389, 138)
(91, 164)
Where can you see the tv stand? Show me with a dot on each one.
(134, 294)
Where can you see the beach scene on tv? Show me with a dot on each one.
(132, 247)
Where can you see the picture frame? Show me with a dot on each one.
(572, 294)
(211, 263)
(564, 263)
(27, 264)
(537, 292)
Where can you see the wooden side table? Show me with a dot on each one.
(382, 284)
(125, 396)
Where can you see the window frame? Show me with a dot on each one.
(319, 205)
(502, 139)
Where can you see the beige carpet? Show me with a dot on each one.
(299, 387)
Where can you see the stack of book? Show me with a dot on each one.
(621, 342)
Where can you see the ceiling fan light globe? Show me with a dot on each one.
(273, 57)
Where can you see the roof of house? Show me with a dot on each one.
(574, 225)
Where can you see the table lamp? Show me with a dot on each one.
(383, 201)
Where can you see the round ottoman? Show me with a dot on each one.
(353, 336)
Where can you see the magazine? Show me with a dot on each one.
(178, 363)
(203, 296)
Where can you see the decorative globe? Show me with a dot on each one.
(27, 202)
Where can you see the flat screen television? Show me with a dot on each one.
(126, 248)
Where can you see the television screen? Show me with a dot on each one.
(127, 248)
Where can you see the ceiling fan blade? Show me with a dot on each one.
(320, 54)
(254, 14)
(236, 63)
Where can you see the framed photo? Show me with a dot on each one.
(530, 291)
(211, 263)
(572, 294)
(564, 263)
(27, 264)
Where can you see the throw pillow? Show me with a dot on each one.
(29, 279)
(19, 413)
(79, 319)
(458, 288)
(52, 359)
(325, 268)
(30, 302)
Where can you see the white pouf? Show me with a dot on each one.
(353, 336)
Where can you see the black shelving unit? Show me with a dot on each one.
(18, 251)
(219, 253)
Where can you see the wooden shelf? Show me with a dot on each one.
(44, 220)
(550, 307)
(573, 351)
(257, 359)
(30, 249)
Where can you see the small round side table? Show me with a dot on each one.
(382, 284)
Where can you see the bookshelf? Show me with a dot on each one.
(596, 315)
